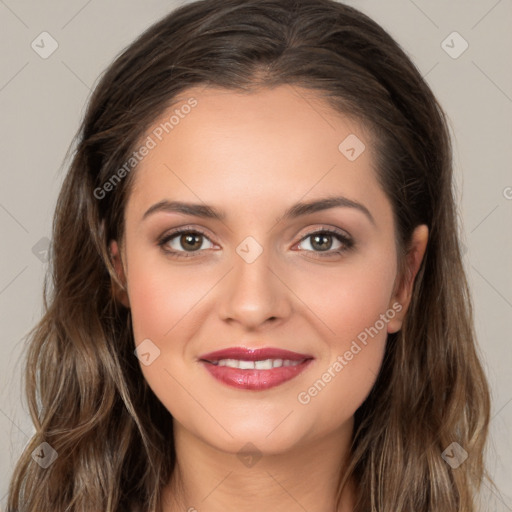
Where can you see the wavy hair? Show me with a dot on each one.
(87, 396)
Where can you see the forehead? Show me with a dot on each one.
(245, 149)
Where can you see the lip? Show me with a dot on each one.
(254, 354)
(252, 379)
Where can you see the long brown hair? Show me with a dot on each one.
(86, 392)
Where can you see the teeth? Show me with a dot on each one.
(266, 364)
(246, 365)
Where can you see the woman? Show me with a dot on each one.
(258, 299)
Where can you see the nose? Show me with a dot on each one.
(254, 293)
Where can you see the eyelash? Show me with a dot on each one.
(168, 237)
(347, 242)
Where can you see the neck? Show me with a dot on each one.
(208, 479)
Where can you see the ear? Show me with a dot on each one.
(403, 290)
(120, 293)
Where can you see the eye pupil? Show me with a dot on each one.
(322, 245)
(189, 239)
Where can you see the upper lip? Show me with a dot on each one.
(253, 354)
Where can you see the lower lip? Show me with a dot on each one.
(255, 379)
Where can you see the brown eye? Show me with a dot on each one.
(327, 241)
(192, 241)
(322, 242)
(181, 242)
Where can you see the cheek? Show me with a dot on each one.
(349, 298)
(354, 308)
(163, 303)
(161, 299)
(150, 305)
(338, 389)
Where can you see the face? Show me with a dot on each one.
(319, 281)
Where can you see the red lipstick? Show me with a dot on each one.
(254, 369)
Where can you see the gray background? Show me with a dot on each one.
(42, 102)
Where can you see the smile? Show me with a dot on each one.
(265, 364)
(254, 369)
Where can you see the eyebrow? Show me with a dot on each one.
(296, 210)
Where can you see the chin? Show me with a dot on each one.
(268, 435)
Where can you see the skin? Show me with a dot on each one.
(253, 156)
